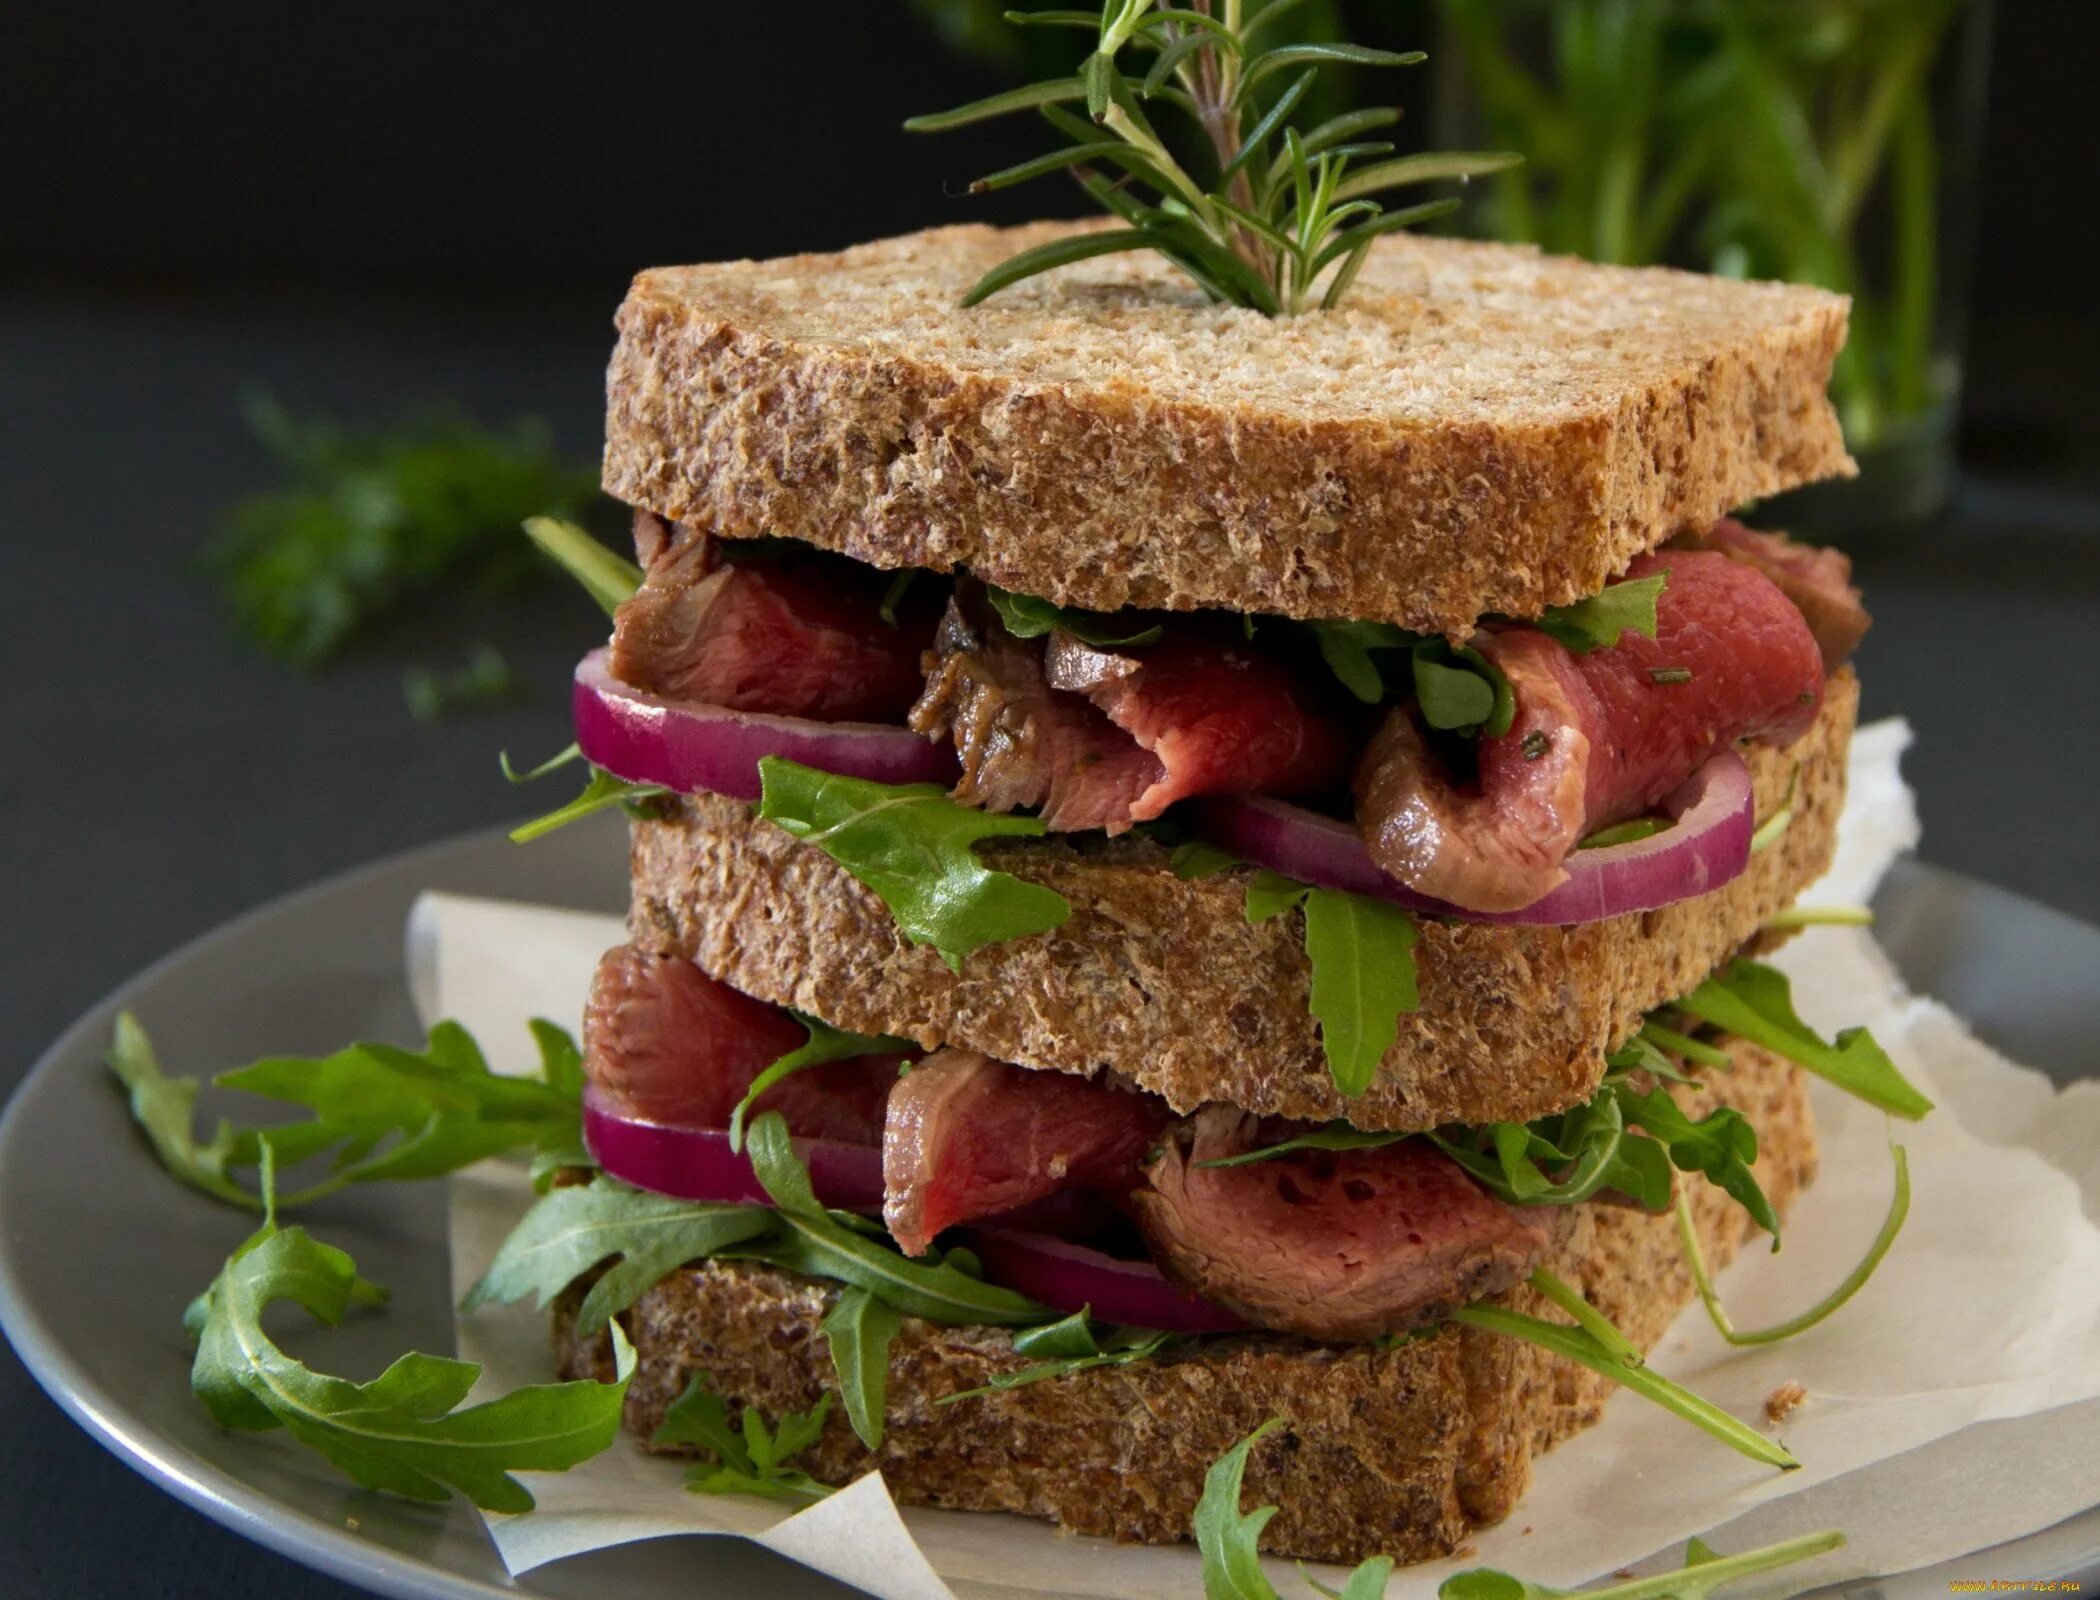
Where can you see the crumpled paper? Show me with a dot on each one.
(1954, 1404)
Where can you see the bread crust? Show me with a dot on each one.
(1400, 1452)
(1481, 429)
(1166, 981)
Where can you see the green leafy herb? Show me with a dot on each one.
(165, 1109)
(1769, 831)
(370, 524)
(1451, 697)
(749, 1458)
(572, 1229)
(1028, 617)
(1194, 859)
(1335, 1136)
(913, 846)
(1067, 1347)
(1599, 622)
(860, 1328)
(893, 595)
(1755, 1002)
(1703, 1572)
(1355, 652)
(560, 758)
(606, 577)
(1285, 219)
(1361, 951)
(1821, 916)
(1230, 1539)
(1721, 1146)
(1595, 1343)
(1855, 1280)
(1669, 674)
(825, 1043)
(1588, 1146)
(601, 793)
(1624, 833)
(403, 1432)
(378, 1111)
(825, 1244)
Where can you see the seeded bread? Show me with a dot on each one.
(1400, 1452)
(1167, 982)
(1480, 429)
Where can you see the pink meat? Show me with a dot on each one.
(1206, 716)
(665, 1042)
(1597, 738)
(794, 635)
(970, 1137)
(1346, 1244)
(1107, 738)
(1817, 579)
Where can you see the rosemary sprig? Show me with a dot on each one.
(1287, 217)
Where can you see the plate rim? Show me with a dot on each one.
(277, 1524)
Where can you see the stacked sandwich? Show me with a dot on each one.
(1192, 869)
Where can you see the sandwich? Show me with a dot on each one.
(1197, 878)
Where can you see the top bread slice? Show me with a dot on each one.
(1480, 428)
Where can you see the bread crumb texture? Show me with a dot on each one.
(1480, 428)
(1400, 1452)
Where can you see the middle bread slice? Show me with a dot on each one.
(1166, 982)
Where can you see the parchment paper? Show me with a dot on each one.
(1955, 1403)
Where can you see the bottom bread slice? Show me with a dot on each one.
(1398, 1452)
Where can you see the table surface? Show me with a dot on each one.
(161, 778)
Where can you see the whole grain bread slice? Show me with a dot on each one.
(1480, 429)
(1400, 1452)
(1168, 983)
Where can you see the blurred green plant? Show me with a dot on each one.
(1744, 136)
(368, 524)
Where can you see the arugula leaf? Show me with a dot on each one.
(750, 1458)
(1367, 1582)
(1854, 1281)
(1599, 622)
(1361, 951)
(827, 1244)
(367, 525)
(1193, 859)
(165, 1109)
(1720, 1145)
(1623, 833)
(560, 758)
(1595, 1344)
(403, 1431)
(572, 1229)
(912, 845)
(1028, 617)
(859, 1328)
(606, 577)
(1230, 1540)
(603, 791)
(1348, 649)
(1335, 1136)
(1069, 1346)
(1703, 1572)
(1451, 697)
(825, 1043)
(1755, 1002)
(893, 595)
(378, 1110)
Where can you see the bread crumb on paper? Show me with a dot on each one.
(1780, 1403)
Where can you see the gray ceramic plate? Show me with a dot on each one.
(93, 1280)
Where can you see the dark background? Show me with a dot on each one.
(361, 206)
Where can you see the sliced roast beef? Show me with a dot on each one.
(1021, 743)
(1596, 739)
(1817, 580)
(971, 1137)
(664, 1041)
(1105, 738)
(796, 634)
(1345, 1244)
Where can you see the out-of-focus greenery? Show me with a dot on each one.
(367, 524)
(1786, 139)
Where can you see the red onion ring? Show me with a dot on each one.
(687, 746)
(1068, 1277)
(697, 1163)
(1709, 846)
(689, 1163)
